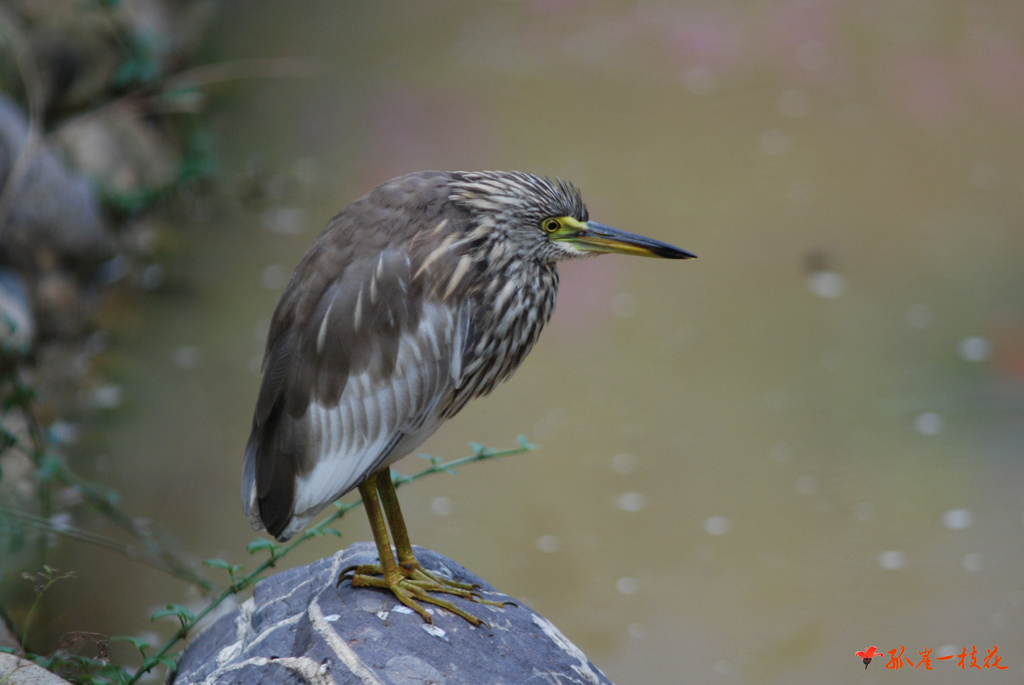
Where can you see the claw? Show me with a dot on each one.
(344, 572)
(479, 599)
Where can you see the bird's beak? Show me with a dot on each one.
(591, 236)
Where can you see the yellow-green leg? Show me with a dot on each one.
(406, 559)
(409, 582)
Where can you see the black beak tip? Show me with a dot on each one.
(671, 252)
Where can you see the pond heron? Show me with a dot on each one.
(419, 296)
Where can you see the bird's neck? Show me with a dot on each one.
(510, 312)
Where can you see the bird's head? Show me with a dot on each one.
(545, 218)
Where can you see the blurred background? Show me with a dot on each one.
(751, 465)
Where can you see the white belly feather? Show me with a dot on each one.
(378, 421)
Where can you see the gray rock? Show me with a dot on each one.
(117, 147)
(17, 322)
(52, 208)
(17, 671)
(299, 628)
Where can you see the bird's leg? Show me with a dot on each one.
(367, 575)
(407, 562)
(388, 575)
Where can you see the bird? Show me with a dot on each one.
(424, 293)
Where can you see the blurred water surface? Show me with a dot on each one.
(807, 441)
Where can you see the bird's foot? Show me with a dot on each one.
(413, 571)
(432, 582)
(413, 584)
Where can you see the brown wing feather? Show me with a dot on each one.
(317, 342)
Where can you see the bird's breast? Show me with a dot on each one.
(507, 320)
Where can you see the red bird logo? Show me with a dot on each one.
(867, 656)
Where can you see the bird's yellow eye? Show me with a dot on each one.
(550, 225)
